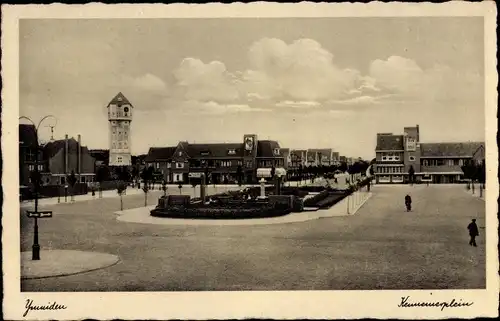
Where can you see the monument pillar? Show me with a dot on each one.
(262, 188)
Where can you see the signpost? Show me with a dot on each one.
(36, 215)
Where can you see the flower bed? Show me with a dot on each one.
(220, 212)
(311, 202)
(332, 199)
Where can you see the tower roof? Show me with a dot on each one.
(119, 99)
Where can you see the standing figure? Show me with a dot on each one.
(473, 232)
(408, 203)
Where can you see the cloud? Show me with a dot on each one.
(404, 77)
(149, 82)
(205, 81)
(213, 107)
(302, 75)
(302, 70)
(298, 104)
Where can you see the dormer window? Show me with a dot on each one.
(231, 151)
(180, 153)
(276, 151)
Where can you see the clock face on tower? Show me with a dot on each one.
(249, 143)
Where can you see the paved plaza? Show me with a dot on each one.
(380, 247)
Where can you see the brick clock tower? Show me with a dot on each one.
(119, 117)
(412, 148)
(249, 156)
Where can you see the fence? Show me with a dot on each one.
(46, 191)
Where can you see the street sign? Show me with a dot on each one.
(39, 214)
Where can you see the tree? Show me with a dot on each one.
(481, 173)
(239, 175)
(102, 174)
(469, 169)
(124, 175)
(411, 175)
(145, 189)
(72, 182)
(164, 187)
(150, 175)
(194, 183)
(121, 187)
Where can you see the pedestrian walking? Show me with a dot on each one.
(408, 203)
(473, 232)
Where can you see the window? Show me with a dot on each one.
(179, 165)
(412, 158)
(40, 168)
(461, 162)
(240, 163)
(169, 165)
(180, 153)
(226, 163)
(63, 180)
(231, 151)
(31, 167)
(425, 162)
(119, 159)
(82, 179)
(157, 165)
(384, 158)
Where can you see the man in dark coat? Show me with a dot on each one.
(408, 202)
(473, 232)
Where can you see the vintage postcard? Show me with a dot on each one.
(264, 160)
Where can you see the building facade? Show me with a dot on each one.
(27, 153)
(120, 119)
(223, 162)
(431, 162)
(298, 157)
(66, 156)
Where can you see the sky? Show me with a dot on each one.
(305, 82)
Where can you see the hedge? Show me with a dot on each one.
(219, 213)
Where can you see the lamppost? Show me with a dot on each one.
(278, 183)
(36, 245)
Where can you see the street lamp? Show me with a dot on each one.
(36, 245)
(278, 183)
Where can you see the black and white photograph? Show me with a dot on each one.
(224, 161)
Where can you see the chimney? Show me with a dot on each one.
(79, 157)
(418, 134)
(66, 156)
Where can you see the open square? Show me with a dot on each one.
(380, 247)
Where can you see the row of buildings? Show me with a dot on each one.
(431, 162)
(57, 159)
(225, 161)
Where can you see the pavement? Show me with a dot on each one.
(381, 247)
(476, 193)
(63, 262)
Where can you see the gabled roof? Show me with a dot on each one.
(265, 148)
(390, 142)
(215, 150)
(449, 149)
(52, 148)
(160, 153)
(27, 136)
(119, 99)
